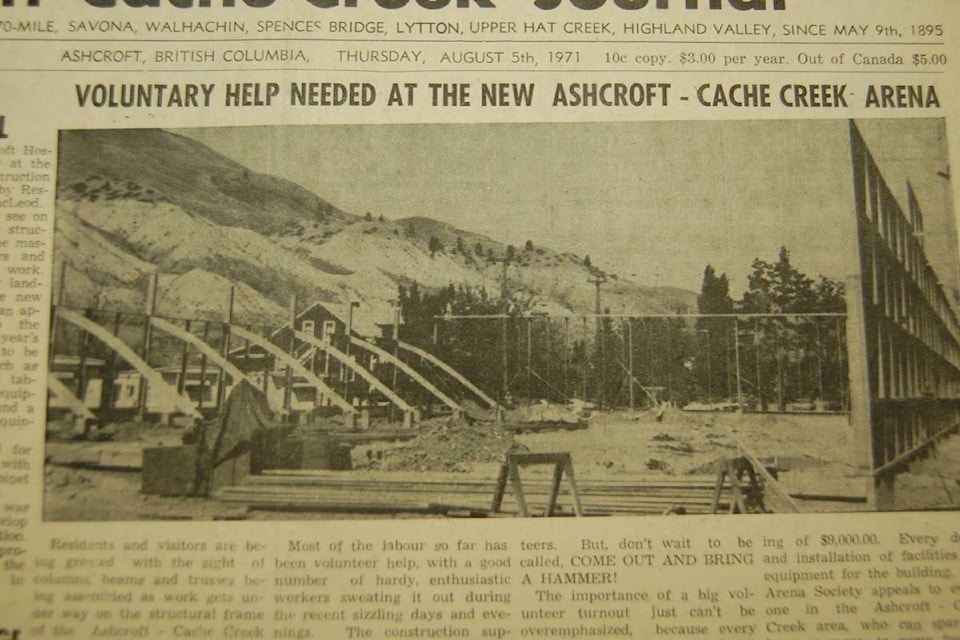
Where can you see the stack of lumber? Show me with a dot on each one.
(461, 493)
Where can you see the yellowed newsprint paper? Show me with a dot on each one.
(536, 319)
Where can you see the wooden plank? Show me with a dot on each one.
(771, 483)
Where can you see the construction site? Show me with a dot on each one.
(332, 413)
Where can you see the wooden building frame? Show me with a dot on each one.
(903, 333)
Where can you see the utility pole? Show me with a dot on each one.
(505, 301)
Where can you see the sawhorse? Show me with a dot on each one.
(510, 469)
(744, 498)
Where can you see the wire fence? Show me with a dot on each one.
(767, 362)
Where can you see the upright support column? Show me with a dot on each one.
(82, 364)
(529, 361)
(147, 339)
(184, 355)
(203, 367)
(291, 349)
(110, 371)
(736, 346)
(504, 341)
(58, 297)
(224, 351)
(396, 353)
(630, 362)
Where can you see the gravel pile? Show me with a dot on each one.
(450, 446)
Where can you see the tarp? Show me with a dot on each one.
(230, 435)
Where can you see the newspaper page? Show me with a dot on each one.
(479, 319)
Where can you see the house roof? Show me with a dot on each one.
(363, 324)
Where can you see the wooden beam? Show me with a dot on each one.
(206, 349)
(66, 398)
(166, 393)
(297, 367)
(386, 356)
(360, 371)
(453, 373)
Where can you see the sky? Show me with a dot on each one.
(653, 201)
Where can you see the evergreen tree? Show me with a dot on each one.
(713, 364)
(714, 293)
(788, 353)
(779, 287)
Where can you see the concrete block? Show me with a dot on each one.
(169, 471)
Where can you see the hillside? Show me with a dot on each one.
(131, 203)
(151, 164)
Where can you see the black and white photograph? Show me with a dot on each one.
(503, 320)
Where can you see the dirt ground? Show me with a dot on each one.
(814, 452)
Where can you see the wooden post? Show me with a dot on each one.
(326, 365)
(518, 349)
(505, 369)
(756, 350)
(736, 343)
(585, 359)
(505, 386)
(182, 382)
(203, 366)
(364, 417)
(142, 397)
(548, 351)
(726, 357)
(819, 362)
(781, 405)
(630, 362)
(396, 352)
(529, 361)
(225, 350)
(844, 402)
(58, 297)
(291, 349)
(110, 369)
(624, 370)
(566, 357)
(82, 364)
(347, 372)
(602, 360)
